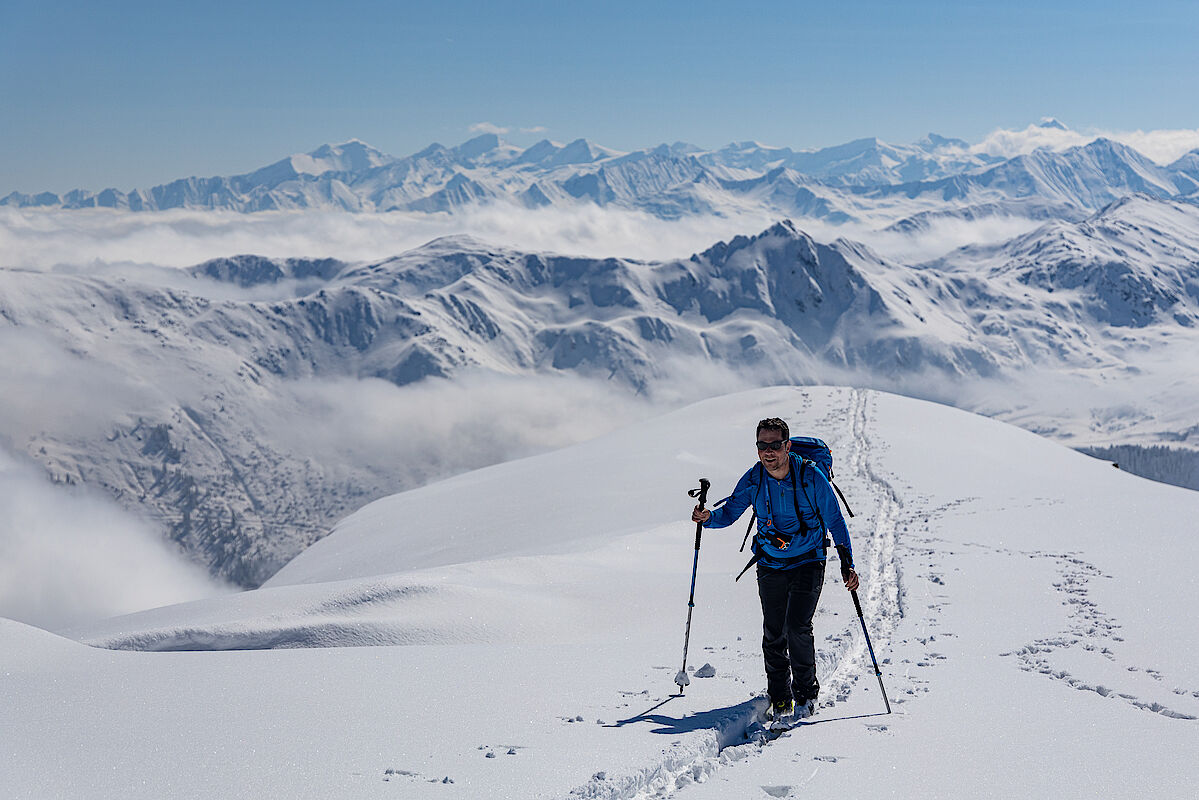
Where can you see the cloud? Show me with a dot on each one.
(438, 427)
(69, 556)
(1162, 146)
(49, 384)
(139, 245)
(89, 239)
(488, 127)
(1010, 143)
(941, 237)
(534, 129)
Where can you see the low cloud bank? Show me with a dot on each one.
(45, 386)
(41, 239)
(943, 236)
(140, 245)
(438, 427)
(69, 555)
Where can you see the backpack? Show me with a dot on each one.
(809, 448)
(810, 451)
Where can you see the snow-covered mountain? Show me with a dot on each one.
(1025, 653)
(867, 180)
(213, 391)
(1134, 264)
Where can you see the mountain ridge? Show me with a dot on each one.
(854, 181)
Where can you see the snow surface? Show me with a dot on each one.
(1027, 604)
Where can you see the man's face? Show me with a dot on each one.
(773, 459)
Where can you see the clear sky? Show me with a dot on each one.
(131, 93)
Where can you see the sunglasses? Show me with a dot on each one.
(772, 445)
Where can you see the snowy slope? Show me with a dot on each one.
(1015, 592)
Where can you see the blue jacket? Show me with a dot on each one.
(772, 500)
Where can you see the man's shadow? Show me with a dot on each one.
(700, 720)
(715, 718)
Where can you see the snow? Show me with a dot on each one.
(524, 623)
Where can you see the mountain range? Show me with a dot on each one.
(210, 437)
(867, 181)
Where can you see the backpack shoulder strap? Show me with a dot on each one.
(753, 517)
(797, 486)
(815, 508)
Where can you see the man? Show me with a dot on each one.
(795, 505)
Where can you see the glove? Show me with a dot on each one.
(846, 561)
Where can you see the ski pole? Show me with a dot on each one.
(702, 493)
(878, 673)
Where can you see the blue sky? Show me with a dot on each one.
(131, 94)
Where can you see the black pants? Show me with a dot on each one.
(789, 600)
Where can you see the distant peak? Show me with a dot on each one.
(1052, 123)
(436, 147)
(1134, 200)
(353, 155)
(580, 151)
(783, 227)
(483, 143)
(767, 241)
(1117, 149)
(538, 151)
(326, 150)
(935, 141)
(454, 242)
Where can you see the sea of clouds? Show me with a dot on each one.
(95, 240)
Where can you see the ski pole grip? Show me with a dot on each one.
(702, 495)
(857, 603)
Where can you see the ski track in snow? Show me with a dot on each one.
(738, 734)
